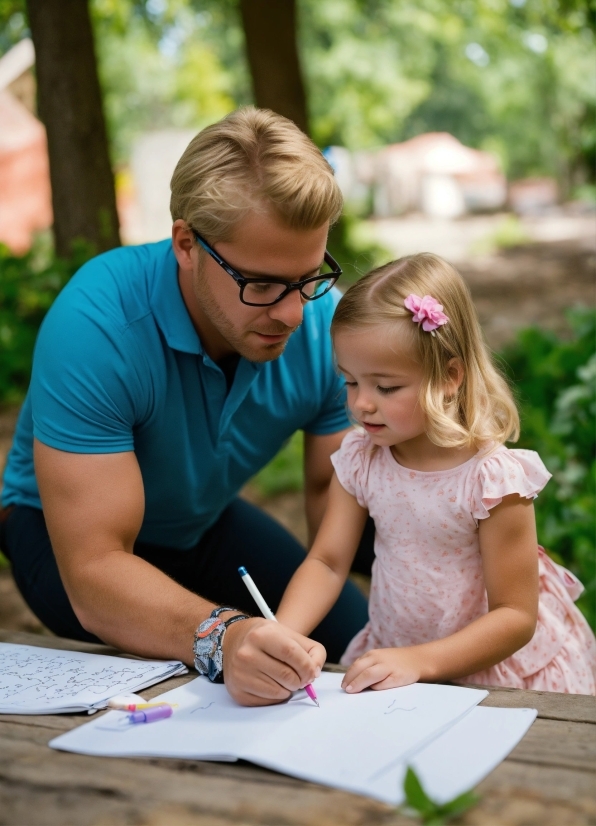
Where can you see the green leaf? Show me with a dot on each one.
(432, 814)
(459, 804)
(416, 797)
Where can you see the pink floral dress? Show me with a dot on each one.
(427, 578)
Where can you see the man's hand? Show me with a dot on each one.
(264, 662)
(383, 668)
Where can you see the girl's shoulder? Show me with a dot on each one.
(352, 461)
(355, 440)
(356, 447)
(500, 472)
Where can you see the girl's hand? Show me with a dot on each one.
(383, 668)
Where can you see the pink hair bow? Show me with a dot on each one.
(426, 311)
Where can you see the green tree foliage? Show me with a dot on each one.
(158, 69)
(13, 23)
(514, 76)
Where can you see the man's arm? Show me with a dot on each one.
(318, 471)
(94, 506)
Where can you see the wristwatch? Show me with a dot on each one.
(208, 641)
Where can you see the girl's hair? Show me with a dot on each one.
(253, 159)
(482, 410)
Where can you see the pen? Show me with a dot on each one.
(268, 614)
(159, 712)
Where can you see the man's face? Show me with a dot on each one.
(261, 245)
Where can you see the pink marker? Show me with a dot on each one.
(311, 693)
(268, 614)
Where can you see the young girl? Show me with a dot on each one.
(460, 588)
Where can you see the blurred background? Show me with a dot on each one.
(461, 127)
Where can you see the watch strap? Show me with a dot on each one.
(208, 641)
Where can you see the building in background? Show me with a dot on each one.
(25, 193)
(153, 160)
(433, 174)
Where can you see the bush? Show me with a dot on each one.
(28, 286)
(556, 387)
(285, 472)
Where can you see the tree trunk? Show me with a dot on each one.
(270, 32)
(70, 106)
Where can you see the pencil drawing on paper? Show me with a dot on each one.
(203, 708)
(392, 707)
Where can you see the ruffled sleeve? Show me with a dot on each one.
(503, 473)
(352, 462)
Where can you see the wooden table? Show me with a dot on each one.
(550, 778)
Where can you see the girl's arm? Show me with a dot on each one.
(317, 583)
(508, 546)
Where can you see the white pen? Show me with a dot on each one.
(268, 614)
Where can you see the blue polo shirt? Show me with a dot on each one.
(118, 366)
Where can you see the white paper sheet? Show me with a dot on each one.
(460, 757)
(47, 681)
(348, 742)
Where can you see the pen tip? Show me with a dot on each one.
(242, 570)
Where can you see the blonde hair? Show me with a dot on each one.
(482, 409)
(251, 160)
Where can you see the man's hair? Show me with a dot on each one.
(482, 410)
(251, 160)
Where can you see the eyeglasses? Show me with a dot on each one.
(259, 292)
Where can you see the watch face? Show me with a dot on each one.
(215, 667)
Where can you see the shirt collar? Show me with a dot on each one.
(168, 307)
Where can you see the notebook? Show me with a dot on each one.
(47, 681)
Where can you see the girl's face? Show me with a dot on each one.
(383, 383)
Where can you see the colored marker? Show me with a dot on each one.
(120, 706)
(268, 614)
(160, 712)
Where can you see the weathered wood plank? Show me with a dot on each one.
(559, 743)
(518, 794)
(233, 793)
(55, 724)
(86, 790)
(580, 708)
(548, 780)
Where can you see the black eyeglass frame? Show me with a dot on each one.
(243, 281)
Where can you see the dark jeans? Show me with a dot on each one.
(243, 535)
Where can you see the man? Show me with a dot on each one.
(164, 377)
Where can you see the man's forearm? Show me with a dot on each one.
(132, 605)
(315, 502)
(318, 472)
